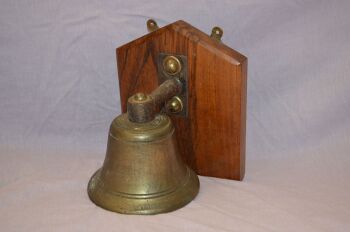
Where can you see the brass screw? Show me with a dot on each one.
(217, 33)
(172, 65)
(174, 105)
(140, 97)
(152, 25)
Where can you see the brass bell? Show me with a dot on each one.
(143, 172)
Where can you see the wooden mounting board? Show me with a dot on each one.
(212, 138)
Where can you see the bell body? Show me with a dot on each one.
(142, 172)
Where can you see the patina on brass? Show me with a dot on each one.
(174, 105)
(217, 33)
(143, 172)
(152, 25)
(144, 109)
(174, 66)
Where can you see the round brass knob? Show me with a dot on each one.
(172, 65)
(174, 105)
(140, 97)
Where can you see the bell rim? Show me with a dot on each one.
(105, 199)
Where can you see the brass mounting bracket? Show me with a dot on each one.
(172, 66)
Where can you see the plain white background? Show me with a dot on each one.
(59, 93)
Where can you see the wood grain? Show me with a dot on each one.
(212, 138)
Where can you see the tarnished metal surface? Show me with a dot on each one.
(142, 172)
(174, 105)
(166, 91)
(143, 108)
(172, 66)
(152, 25)
(217, 33)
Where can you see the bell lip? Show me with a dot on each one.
(183, 195)
(123, 129)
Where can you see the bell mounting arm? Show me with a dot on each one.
(143, 108)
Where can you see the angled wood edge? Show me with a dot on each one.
(194, 34)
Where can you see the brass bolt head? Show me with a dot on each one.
(172, 65)
(140, 97)
(174, 105)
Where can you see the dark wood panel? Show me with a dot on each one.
(212, 138)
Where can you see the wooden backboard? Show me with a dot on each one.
(212, 136)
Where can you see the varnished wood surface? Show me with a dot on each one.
(212, 138)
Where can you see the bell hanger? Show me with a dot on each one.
(183, 98)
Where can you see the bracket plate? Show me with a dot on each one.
(182, 75)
